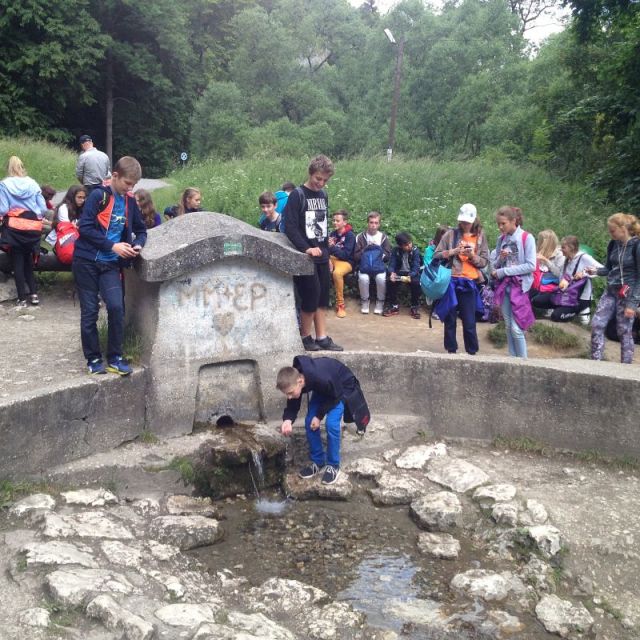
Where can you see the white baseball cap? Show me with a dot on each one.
(467, 213)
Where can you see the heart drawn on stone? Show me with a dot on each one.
(223, 322)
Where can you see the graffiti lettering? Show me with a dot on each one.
(221, 295)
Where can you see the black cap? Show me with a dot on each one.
(85, 138)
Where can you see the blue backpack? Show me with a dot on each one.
(436, 276)
(372, 260)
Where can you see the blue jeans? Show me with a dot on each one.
(515, 335)
(332, 423)
(104, 278)
(467, 310)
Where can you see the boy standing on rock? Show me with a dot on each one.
(332, 386)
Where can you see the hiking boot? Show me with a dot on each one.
(120, 366)
(379, 307)
(309, 471)
(393, 310)
(34, 300)
(21, 304)
(309, 344)
(340, 311)
(96, 366)
(327, 344)
(415, 313)
(330, 474)
(365, 306)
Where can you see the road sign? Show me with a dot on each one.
(183, 156)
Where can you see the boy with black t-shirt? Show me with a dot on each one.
(306, 226)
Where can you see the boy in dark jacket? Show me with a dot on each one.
(404, 266)
(342, 242)
(329, 382)
(109, 222)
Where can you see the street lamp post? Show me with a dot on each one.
(396, 92)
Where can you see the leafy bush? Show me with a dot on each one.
(553, 336)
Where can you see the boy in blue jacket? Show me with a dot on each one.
(404, 266)
(342, 242)
(329, 382)
(112, 232)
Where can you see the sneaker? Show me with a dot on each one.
(309, 471)
(119, 366)
(96, 366)
(340, 311)
(379, 307)
(365, 306)
(34, 300)
(327, 344)
(415, 313)
(391, 311)
(21, 304)
(330, 474)
(309, 344)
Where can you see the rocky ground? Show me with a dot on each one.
(513, 545)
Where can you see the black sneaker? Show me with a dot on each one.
(327, 344)
(330, 474)
(309, 471)
(309, 344)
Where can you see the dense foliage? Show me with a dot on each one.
(263, 78)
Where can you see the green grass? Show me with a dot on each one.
(11, 491)
(497, 335)
(413, 195)
(45, 162)
(131, 347)
(553, 336)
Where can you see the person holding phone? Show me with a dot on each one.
(622, 295)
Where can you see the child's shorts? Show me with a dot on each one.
(314, 290)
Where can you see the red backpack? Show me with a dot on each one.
(67, 234)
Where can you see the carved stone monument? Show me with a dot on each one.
(211, 299)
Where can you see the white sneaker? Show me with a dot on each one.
(379, 308)
(365, 306)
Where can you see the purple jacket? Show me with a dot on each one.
(520, 302)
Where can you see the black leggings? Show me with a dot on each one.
(559, 314)
(22, 257)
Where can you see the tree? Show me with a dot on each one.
(48, 53)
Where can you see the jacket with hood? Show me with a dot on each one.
(21, 193)
(325, 376)
(94, 224)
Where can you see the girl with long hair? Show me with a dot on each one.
(149, 214)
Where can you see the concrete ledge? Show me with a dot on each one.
(75, 419)
(570, 404)
(186, 243)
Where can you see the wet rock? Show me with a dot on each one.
(418, 456)
(505, 513)
(89, 524)
(547, 538)
(419, 611)
(125, 555)
(505, 624)
(73, 587)
(188, 615)
(279, 594)
(90, 497)
(242, 626)
(439, 545)
(534, 514)
(365, 468)
(563, 617)
(116, 618)
(56, 552)
(491, 493)
(458, 475)
(186, 532)
(180, 505)
(35, 617)
(396, 489)
(162, 552)
(35, 502)
(311, 488)
(479, 583)
(437, 511)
